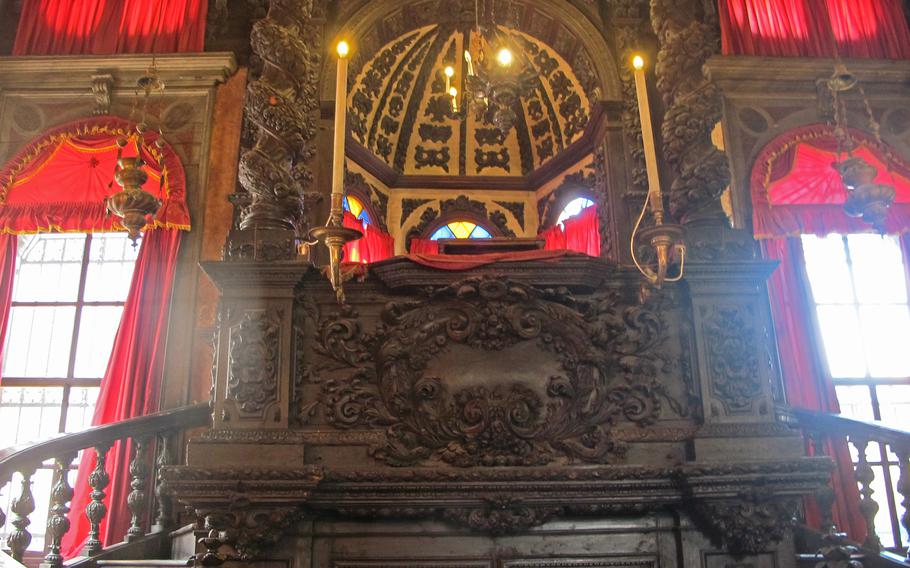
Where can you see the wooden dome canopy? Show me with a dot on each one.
(401, 112)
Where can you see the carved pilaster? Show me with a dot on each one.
(280, 105)
(629, 21)
(736, 355)
(253, 342)
(700, 172)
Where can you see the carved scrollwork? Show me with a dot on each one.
(733, 363)
(254, 360)
(748, 525)
(502, 515)
(605, 357)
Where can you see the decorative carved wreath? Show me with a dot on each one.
(609, 354)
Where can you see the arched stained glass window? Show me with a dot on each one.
(461, 230)
(356, 208)
(573, 208)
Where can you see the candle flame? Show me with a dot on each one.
(638, 62)
(343, 49)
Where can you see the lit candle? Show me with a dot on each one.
(647, 135)
(341, 97)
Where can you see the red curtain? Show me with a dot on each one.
(375, 245)
(796, 190)
(580, 233)
(132, 382)
(9, 245)
(424, 246)
(583, 232)
(791, 311)
(813, 28)
(105, 27)
(554, 238)
(59, 182)
(471, 261)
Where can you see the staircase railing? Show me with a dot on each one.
(160, 430)
(862, 436)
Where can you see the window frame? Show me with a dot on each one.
(886, 460)
(68, 382)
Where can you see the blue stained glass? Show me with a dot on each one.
(443, 233)
(480, 233)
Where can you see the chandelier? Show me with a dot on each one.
(132, 204)
(497, 77)
(866, 198)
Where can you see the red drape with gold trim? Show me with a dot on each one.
(105, 27)
(59, 183)
(814, 28)
(796, 191)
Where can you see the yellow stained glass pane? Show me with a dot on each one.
(355, 206)
(462, 229)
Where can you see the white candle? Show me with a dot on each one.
(341, 97)
(647, 135)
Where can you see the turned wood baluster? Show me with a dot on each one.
(57, 521)
(98, 480)
(136, 499)
(165, 518)
(21, 507)
(867, 505)
(903, 487)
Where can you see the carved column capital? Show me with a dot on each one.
(747, 525)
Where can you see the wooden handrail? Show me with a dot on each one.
(32, 454)
(835, 424)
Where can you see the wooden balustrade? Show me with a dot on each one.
(862, 435)
(141, 433)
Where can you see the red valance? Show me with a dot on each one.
(105, 27)
(796, 189)
(814, 28)
(471, 261)
(59, 182)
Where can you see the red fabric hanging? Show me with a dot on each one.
(583, 232)
(777, 28)
(791, 312)
(9, 245)
(424, 246)
(132, 382)
(375, 245)
(59, 181)
(554, 238)
(106, 27)
(471, 261)
(804, 28)
(580, 233)
(796, 190)
(874, 29)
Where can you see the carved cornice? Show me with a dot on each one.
(500, 500)
(263, 277)
(577, 272)
(178, 71)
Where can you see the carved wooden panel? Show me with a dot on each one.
(598, 562)
(411, 564)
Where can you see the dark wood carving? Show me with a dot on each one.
(749, 525)
(279, 110)
(604, 358)
(452, 208)
(693, 107)
(516, 208)
(409, 205)
(253, 367)
(731, 337)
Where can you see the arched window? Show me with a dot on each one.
(573, 208)
(356, 208)
(460, 230)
